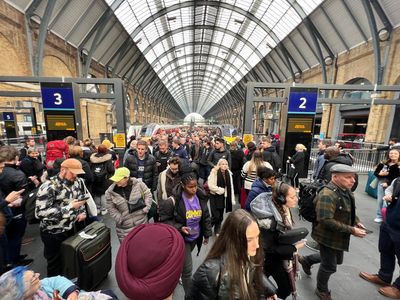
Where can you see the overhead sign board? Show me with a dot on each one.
(302, 100)
(57, 96)
(8, 116)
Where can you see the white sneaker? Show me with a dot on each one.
(378, 220)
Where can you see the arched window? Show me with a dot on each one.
(358, 94)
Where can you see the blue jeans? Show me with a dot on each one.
(389, 250)
(379, 200)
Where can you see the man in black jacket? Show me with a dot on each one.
(13, 179)
(142, 166)
(162, 155)
(218, 153)
(269, 153)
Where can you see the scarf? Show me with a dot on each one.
(224, 181)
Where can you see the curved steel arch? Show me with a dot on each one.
(210, 27)
(225, 5)
(187, 88)
(200, 70)
(172, 88)
(211, 44)
(207, 85)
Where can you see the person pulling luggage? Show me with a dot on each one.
(60, 204)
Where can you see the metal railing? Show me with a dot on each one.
(364, 159)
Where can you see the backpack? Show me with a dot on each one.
(99, 172)
(308, 193)
(29, 204)
(274, 159)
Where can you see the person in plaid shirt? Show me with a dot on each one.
(336, 222)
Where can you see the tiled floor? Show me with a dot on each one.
(345, 284)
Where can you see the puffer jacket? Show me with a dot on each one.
(258, 187)
(150, 175)
(269, 220)
(118, 207)
(216, 155)
(209, 285)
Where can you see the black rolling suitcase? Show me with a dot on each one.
(87, 255)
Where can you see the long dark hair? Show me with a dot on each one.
(232, 245)
(280, 190)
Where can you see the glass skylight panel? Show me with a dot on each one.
(309, 5)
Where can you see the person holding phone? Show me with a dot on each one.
(59, 206)
(188, 212)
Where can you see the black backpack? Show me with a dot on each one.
(274, 159)
(308, 193)
(99, 172)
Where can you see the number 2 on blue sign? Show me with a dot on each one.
(303, 103)
(58, 100)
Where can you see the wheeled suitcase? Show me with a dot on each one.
(373, 192)
(87, 255)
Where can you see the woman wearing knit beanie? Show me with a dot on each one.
(149, 262)
(233, 267)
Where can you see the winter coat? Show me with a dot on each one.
(394, 172)
(162, 158)
(56, 149)
(268, 218)
(166, 184)
(173, 212)
(258, 187)
(336, 216)
(319, 163)
(118, 208)
(96, 160)
(88, 176)
(150, 175)
(238, 160)
(204, 156)
(392, 223)
(220, 191)
(298, 161)
(31, 167)
(208, 284)
(216, 155)
(270, 155)
(182, 154)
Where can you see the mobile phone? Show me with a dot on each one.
(83, 198)
(367, 231)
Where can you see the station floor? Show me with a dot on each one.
(345, 284)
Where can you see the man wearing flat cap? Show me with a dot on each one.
(59, 204)
(336, 222)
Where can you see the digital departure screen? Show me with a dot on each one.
(60, 122)
(300, 125)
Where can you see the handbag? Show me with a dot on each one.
(138, 205)
(90, 204)
(292, 236)
(374, 183)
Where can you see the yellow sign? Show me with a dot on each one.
(247, 138)
(119, 140)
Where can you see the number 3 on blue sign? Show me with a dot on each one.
(303, 103)
(58, 99)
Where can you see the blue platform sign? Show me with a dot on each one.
(8, 116)
(57, 96)
(302, 100)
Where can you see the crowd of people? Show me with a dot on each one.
(170, 195)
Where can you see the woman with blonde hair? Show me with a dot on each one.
(222, 194)
(249, 170)
(297, 163)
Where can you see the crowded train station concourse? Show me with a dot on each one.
(199, 150)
